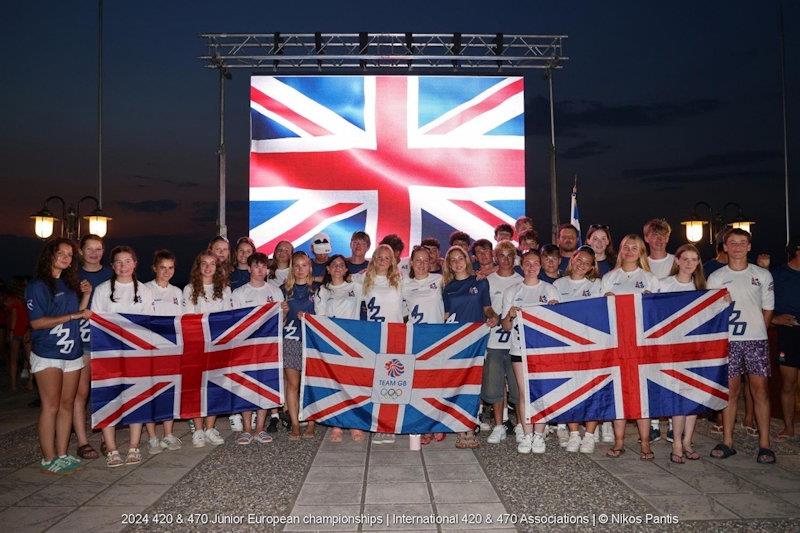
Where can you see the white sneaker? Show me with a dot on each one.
(574, 442)
(524, 445)
(563, 435)
(171, 442)
(519, 433)
(213, 437)
(388, 438)
(377, 438)
(587, 443)
(236, 423)
(596, 434)
(537, 444)
(153, 446)
(498, 435)
(199, 438)
(607, 432)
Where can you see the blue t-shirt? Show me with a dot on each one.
(562, 266)
(544, 277)
(604, 267)
(317, 270)
(95, 279)
(239, 278)
(301, 300)
(355, 269)
(465, 299)
(62, 341)
(787, 290)
(712, 265)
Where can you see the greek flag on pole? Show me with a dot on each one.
(574, 218)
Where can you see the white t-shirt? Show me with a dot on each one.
(167, 301)
(249, 296)
(423, 299)
(661, 267)
(384, 302)
(338, 301)
(671, 284)
(280, 276)
(570, 290)
(404, 266)
(525, 297)
(634, 282)
(752, 292)
(499, 338)
(205, 303)
(123, 299)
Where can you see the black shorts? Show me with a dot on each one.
(789, 346)
(516, 358)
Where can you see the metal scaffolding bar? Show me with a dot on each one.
(454, 51)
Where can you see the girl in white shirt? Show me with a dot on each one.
(167, 301)
(207, 292)
(123, 294)
(381, 289)
(580, 281)
(687, 275)
(632, 276)
(337, 297)
(281, 263)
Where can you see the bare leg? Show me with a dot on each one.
(497, 407)
(293, 398)
(211, 421)
(247, 421)
(619, 434)
(151, 430)
(788, 388)
(688, 433)
(644, 433)
(169, 425)
(136, 435)
(591, 426)
(729, 413)
(678, 425)
(79, 407)
(748, 403)
(519, 372)
(758, 387)
(49, 381)
(261, 419)
(69, 384)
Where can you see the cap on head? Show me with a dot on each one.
(321, 244)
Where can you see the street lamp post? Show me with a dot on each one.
(44, 219)
(694, 224)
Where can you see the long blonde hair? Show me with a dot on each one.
(393, 274)
(698, 277)
(290, 282)
(447, 274)
(644, 264)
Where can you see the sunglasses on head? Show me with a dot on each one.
(603, 227)
(587, 249)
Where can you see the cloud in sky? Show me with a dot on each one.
(150, 206)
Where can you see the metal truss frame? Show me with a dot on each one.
(383, 51)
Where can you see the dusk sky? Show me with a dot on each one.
(660, 105)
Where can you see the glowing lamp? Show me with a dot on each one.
(98, 223)
(694, 229)
(43, 222)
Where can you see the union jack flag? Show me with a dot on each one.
(411, 155)
(392, 378)
(627, 357)
(152, 368)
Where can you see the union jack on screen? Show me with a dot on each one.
(392, 378)
(627, 357)
(411, 155)
(152, 368)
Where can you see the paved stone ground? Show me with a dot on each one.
(318, 478)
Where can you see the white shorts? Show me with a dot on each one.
(65, 365)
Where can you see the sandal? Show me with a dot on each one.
(307, 435)
(750, 430)
(676, 458)
(722, 451)
(765, 456)
(134, 457)
(357, 435)
(691, 455)
(615, 453)
(244, 438)
(426, 439)
(472, 442)
(114, 459)
(647, 456)
(780, 437)
(438, 437)
(336, 435)
(461, 442)
(87, 452)
(716, 428)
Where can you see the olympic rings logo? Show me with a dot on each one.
(392, 393)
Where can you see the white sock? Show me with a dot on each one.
(670, 424)
(654, 424)
(571, 433)
(505, 413)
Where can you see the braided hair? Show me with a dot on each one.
(124, 250)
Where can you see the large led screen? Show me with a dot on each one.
(416, 156)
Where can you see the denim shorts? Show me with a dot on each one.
(497, 371)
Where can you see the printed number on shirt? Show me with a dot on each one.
(85, 331)
(64, 341)
(739, 327)
(290, 331)
(373, 311)
(416, 316)
(451, 319)
(503, 335)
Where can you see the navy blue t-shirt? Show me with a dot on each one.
(317, 270)
(95, 279)
(544, 277)
(604, 267)
(465, 299)
(787, 290)
(355, 269)
(239, 277)
(712, 265)
(62, 341)
(562, 266)
(301, 300)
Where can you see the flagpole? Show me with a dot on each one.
(553, 181)
(785, 128)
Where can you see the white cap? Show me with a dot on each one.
(321, 244)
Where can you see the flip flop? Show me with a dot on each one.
(750, 430)
(647, 456)
(765, 456)
(692, 455)
(676, 458)
(615, 453)
(723, 450)
(357, 435)
(87, 452)
(716, 428)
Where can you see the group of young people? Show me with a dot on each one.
(480, 281)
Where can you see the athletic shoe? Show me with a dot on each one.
(154, 446)
(670, 438)
(57, 466)
(574, 442)
(389, 438)
(524, 445)
(563, 435)
(199, 438)
(587, 443)
(607, 432)
(498, 435)
(377, 438)
(272, 427)
(171, 442)
(519, 433)
(596, 434)
(655, 434)
(509, 426)
(236, 423)
(263, 437)
(537, 443)
(485, 426)
(212, 436)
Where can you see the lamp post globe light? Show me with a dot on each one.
(44, 220)
(694, 224)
